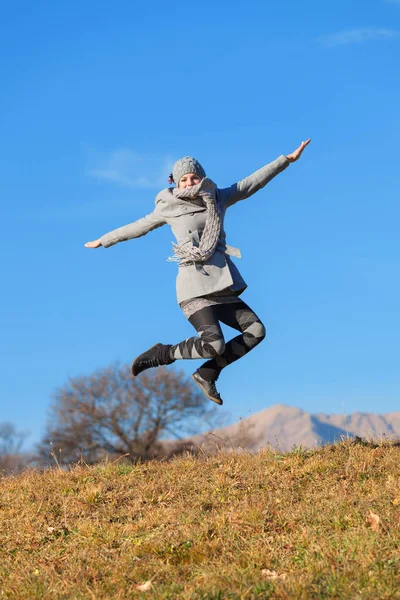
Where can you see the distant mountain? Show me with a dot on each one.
(284, 426)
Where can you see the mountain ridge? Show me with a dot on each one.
(283, 427)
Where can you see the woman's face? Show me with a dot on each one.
(188, 180)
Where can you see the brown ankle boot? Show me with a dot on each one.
(208, 387)
(154, 357)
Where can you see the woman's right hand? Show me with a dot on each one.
(94, 244)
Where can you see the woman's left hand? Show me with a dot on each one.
(297, 153)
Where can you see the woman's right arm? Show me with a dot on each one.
(127, 232)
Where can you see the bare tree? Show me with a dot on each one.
(11, 442)
(111, 413)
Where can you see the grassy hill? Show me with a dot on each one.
(320, 523)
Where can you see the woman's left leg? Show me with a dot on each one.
(241, 317)
(209, 344)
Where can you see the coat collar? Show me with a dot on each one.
(169, 205)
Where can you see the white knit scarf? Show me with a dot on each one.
(188, 253)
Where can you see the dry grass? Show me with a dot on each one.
(306, 524)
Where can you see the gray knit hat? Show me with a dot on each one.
(184, 165)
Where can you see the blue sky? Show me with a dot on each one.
(97, 101)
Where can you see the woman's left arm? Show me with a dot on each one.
(249, 186)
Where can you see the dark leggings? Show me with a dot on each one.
(211, 344)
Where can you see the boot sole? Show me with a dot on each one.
(133, 364)
(219, 402)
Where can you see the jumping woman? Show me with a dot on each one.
(208, 284)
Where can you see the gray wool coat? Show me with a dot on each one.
(187, 221)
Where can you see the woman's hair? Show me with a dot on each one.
(171, 178)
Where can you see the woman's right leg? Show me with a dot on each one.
(208, 344)
(210, 341)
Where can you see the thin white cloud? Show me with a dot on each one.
(127, 168)
(357, 36)
(116, 207)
